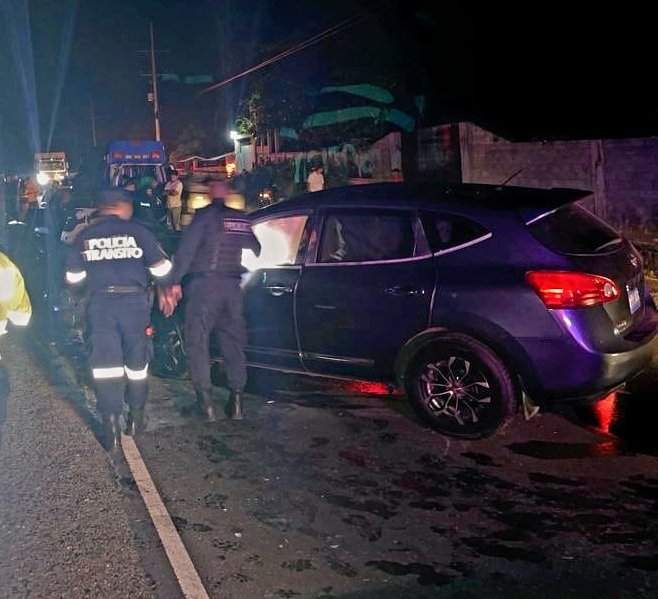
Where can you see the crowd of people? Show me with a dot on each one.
(114, 261)
(17, 196)
(113, 256)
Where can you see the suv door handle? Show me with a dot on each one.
(399, 290)
(278, 290)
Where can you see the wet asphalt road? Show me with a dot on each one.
(324, 491)
(67, 529)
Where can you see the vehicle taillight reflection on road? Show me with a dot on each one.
(605, 411)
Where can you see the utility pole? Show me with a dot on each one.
(154, 83)
(93, 120)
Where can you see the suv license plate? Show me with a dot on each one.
(633, 298)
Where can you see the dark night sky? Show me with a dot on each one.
(531, 74)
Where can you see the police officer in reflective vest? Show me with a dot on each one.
(114, 257)
(209, 258)
(16, 308)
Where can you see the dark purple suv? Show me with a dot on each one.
(468, 296)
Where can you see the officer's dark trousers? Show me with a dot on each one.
(215, 303)
(120, 349)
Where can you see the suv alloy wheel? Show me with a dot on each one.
(461, 388)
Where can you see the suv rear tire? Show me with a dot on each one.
(461, 388)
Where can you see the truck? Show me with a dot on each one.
(139, 166)
(50, 167)
(131, 163)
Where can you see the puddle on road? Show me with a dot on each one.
(480, 459)
(298, 565)
(317, 400)
(214, 448)
(555, 450)
(641, 562)
(427, 576)
(549, 479)
(182, 524)
(523, 554)
(642, 487)
(371, 506)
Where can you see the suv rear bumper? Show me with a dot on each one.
(568, 371)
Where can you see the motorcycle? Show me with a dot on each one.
(266, 196)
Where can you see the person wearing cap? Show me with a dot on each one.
(15, 307)
(208, 263)
(115, 258)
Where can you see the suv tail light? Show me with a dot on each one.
(561, 289)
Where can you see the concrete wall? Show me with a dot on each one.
(438, 153)
(621, 173)
(487, 158)
(631, 183)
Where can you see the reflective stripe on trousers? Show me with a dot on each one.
(120, 349)
(117, 372)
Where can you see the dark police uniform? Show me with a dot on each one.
(209, 260)
(114, 258)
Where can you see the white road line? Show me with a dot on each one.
(188, 578)
(184, 570)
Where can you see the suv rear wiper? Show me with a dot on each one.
(614, 241)
(512, 176)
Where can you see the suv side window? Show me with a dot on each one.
(281, 242)
(446, 231)
(372, 236)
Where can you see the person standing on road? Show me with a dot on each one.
(29, 197)
(315, 180)
(11, 197)
(16, 308)
(115, 257)
(209, 258)
(173, 189)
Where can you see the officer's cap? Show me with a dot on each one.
(111, 197)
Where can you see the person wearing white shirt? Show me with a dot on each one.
(315, 180)
(173, 189)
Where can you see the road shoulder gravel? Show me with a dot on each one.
(69, 522)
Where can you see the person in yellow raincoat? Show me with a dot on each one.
(16, 308)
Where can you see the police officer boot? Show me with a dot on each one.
(205, 405)
(111, 432)
(233, 409)
(135, 421)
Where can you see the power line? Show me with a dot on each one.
(333, 30)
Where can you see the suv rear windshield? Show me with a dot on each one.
(574, 230)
